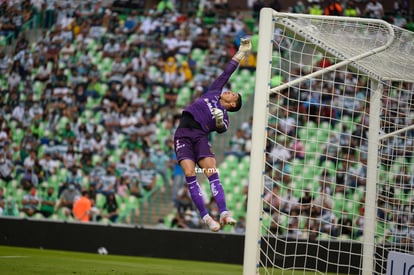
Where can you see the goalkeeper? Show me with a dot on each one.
(208, 114)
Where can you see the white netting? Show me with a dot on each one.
(317, 145)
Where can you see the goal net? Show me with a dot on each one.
(331, 173)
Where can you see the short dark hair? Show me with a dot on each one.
(239, 104)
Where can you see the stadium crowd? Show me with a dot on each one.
(89, 108)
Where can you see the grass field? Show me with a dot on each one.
(14, 260)
(21, 261)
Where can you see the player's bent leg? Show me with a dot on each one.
(188, 167)
(209, 166)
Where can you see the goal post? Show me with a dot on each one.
(262, 86)
(333, 126)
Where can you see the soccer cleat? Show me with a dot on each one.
(211, 223)
(227, 218)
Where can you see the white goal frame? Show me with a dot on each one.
(260, 116)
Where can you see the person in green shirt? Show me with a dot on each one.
(67, 134)
(47, 203)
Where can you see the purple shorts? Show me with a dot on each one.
(191, 144)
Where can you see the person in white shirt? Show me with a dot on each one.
(98, 144)
(5, 62)
(49, 166)
(13, 80)
(130, 91)
(288, 202)
(37, 5)
(374, 9)
(170, 43)
(111, 48)
(18, 111)
(129, 121)
(184, 45)
(6, 168)
(43, 72)
(67, 52)
(280, 152)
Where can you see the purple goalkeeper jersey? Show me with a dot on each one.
(203, 108)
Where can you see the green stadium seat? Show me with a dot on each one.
(100, 200)
(266, 222)
(232, 161)
(184, 96)
(198, 55)
(18, 135)
(54, 181)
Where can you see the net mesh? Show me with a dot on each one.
(317, 145)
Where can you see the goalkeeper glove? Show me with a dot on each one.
(218, 114)
(244, 48)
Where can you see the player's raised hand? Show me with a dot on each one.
(245, 45)
(218, 114)
(244, 48)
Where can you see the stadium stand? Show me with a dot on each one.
(93, 92)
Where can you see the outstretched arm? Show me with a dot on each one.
(219, 83)
(245, 47)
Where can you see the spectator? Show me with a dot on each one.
(30, 202)
(67, 198)
(178, 179)
(122, 189)
(11, 208)
(2, 201)
(297, 148)
(184, 44)
(333, 7)
(74, 177)
(184, 203)
(111, 48)
(47, 203)
(398, 233)
(345, 226)
(6, 168)
(29, 180)
(237, 144)
(110, 208)
(286, 123)
(82, 207)
(49, 165)
(162, 163)
(351, 9)
(330, 150)
(107, 183)
(134, 186)
(288, 202)
(118, 70)
(279, 152)
(240, 226)
(147, 174)
(324, 219)
(304, 204)
(325, 181)
(403, 179)
(315, 9)
(272, 200)
(98, 145)
(374, 9)
(299, 7)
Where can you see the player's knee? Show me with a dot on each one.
(210, 171)
(189, 172)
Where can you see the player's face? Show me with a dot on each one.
(230, 97)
